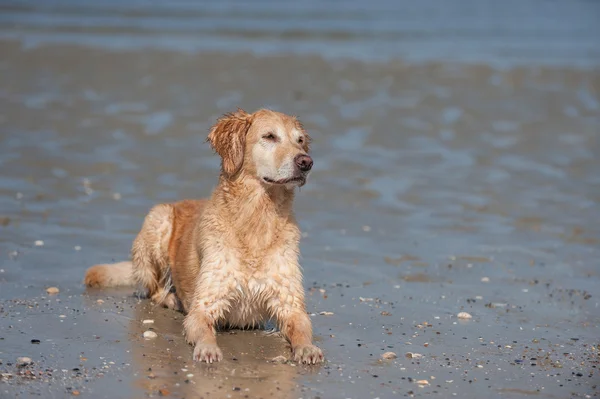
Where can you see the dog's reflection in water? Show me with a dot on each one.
(163, 366)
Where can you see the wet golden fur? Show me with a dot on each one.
(231, 259)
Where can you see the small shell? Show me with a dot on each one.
(389, 356)
(150, 334)
(464, 315)
(52, 290)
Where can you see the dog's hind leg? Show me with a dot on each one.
(150, 256)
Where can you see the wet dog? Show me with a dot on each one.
(231, 260)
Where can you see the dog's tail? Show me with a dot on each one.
(110, 275)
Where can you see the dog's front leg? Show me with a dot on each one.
(199, 330)
(296, 326)
(210, 305)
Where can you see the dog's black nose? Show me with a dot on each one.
(304, 162)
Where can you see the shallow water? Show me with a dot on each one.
(501, 33)
(438, 188)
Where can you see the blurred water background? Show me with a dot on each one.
(502, 33)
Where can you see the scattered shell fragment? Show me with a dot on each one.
(148, 321)
(366, 228)
(100, 301)
(485, 279)
(150, 334)
(279, 359)
(365, 299)
(163, 392)
(412, 355)
(326, 313)
(116, 196)
(464, 315)
(75, 392)
(389, 355)
(385, 313)
(423, 382)
(39, 243)
(52, 290)
(77, 248)
(24, 361)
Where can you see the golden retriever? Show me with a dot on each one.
(231, 260)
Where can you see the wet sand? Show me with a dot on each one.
(438, 188)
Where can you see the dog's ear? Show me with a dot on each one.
(228, 138)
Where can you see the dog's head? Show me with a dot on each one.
(268, 145)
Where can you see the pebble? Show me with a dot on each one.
(464, 315)
(163, 392)
(150, 334)
(77, 248)
(148, 321)
(52, 290)
(39, 243)
(366, 228)
(24, 361)
(389, 355)
(412, 355)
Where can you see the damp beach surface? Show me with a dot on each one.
(450, 226)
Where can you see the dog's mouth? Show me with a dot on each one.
(300, 180)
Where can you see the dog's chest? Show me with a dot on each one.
(250, 302)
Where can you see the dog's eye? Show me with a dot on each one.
(270, 137)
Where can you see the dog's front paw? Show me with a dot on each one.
(308, 354)
(208, 353)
